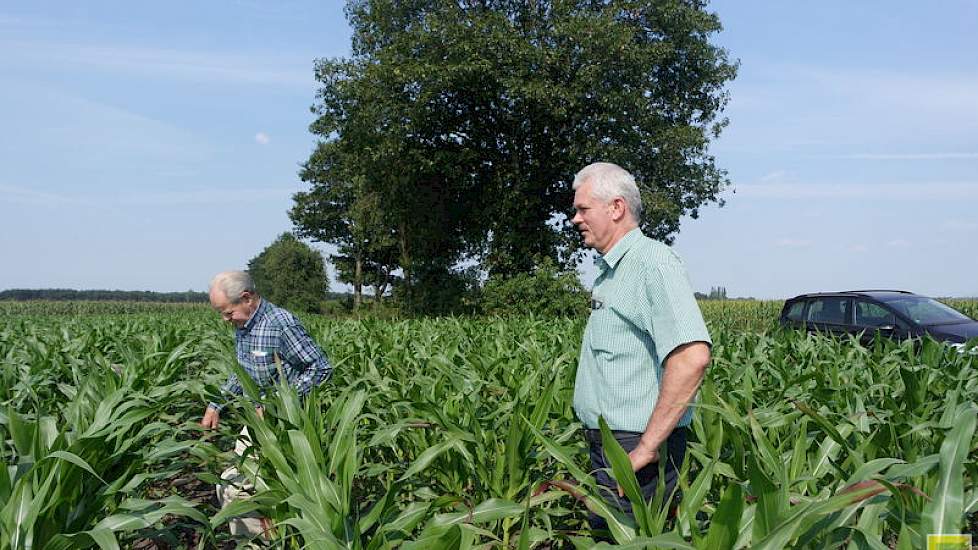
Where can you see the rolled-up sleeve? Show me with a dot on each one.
(674, 318)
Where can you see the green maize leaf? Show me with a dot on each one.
(872, 468)
(694, 496)
(725, 523)
(345, 429)
(259, 501)
(943, 514)
(970, 501)
(782, 534)
(315, 537)
(670, 541)
(408, 519)
(16, 513)
(772, 502)
(908, 471)
(524, 541)
(860, 540)
(429, 455)
(309, 474)
(168, 449)
(621, 467)
(562, 454)
(905, 539)
(76, 460)
(103, 538)
(827, 427)
(491, 510)
(381, 509)
(21, 431)
(6, 481)
(248, 385)
(438, 537)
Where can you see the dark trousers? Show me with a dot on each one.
(648, 477)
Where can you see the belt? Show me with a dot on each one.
(594, 436)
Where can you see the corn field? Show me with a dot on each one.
(459, 433)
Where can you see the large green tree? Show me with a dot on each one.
(291, 274)
(465, 122)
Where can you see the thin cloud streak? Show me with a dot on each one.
(944, 191)
(910, 156)
(793, 243)
(166, 63)
(206, 197)
(22, 195)
(201, 197)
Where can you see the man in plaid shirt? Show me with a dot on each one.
(264, 332)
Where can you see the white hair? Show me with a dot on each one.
(233, 284)
(609, 181)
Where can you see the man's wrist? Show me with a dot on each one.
(646, 446)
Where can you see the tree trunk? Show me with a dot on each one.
(358, 281)
(405, 254)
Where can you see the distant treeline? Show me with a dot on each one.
(67, 294)
(70, 295)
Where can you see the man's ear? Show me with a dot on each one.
(618, 208)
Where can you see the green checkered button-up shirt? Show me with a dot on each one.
(642, 308)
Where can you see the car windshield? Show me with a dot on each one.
(925, 311)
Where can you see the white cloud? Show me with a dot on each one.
(899, 243)
(858, 248)
(261, 138)
(793, 243)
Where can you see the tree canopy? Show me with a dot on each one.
(291, 274)
(453, 131)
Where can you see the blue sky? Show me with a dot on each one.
(148, 146)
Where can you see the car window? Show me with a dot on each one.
(925, 311)
(830, 309)
(869, 314)
(795, 311)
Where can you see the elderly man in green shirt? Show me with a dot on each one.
(646, 348)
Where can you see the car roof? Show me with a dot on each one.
(878, 294)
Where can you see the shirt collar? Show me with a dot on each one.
(259, 311)
(617, 252)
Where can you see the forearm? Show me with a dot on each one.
(683, 373)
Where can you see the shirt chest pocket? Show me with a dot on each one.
(613, 330)
(263, 358)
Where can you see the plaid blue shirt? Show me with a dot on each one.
(274, 332)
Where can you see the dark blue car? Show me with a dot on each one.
(894, 313)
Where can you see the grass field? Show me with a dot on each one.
(458, 433)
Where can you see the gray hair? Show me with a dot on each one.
(233, 284)
(609, 181)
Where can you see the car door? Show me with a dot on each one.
(830, 315)
(871, 317)
(793, 314)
